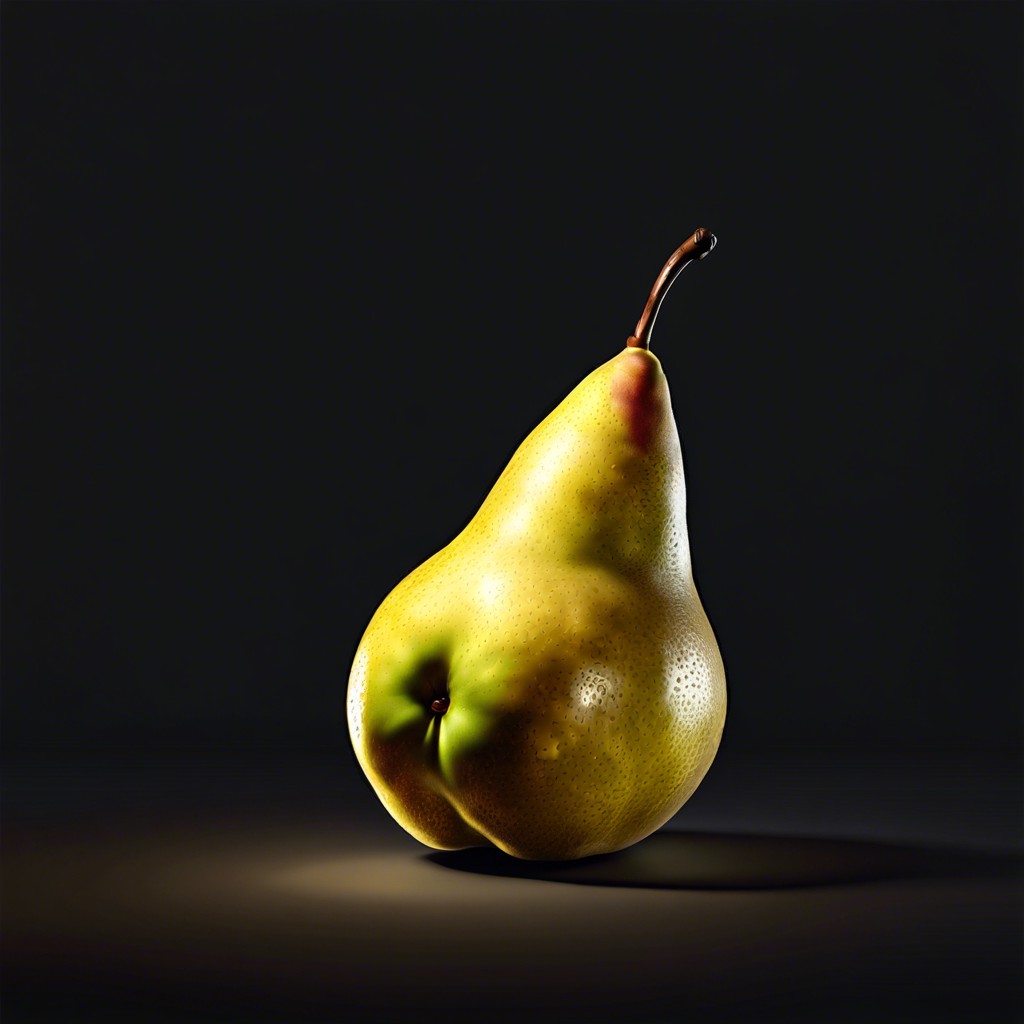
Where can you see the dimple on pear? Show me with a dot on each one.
(549, 683)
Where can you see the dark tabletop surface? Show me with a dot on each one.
(278, 889)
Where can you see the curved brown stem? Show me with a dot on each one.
(697, 246)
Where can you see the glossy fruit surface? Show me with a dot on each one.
(548, 682)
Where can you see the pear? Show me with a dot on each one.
(549, 683)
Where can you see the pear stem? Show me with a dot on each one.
(697, 246)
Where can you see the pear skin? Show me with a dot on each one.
(548, 683)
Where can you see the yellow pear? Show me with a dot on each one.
(549, 683)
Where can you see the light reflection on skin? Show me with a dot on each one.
(517, 523)
(593, 687)
(491, 589)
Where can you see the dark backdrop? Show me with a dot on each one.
(285, 285)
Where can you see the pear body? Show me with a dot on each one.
(549, 682)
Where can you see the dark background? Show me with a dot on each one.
(285, 285)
